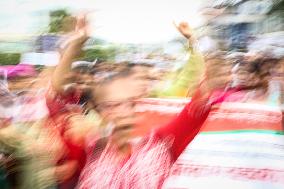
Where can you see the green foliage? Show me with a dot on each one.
(56, 20)
(9, 58)
(102, 54)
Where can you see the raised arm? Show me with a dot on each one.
(187, 32)
(187, 124)
(72, 48)
(185, 80)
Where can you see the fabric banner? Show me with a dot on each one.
(241, 145)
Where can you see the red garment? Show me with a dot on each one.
(59, 103)
(146, 167)
(183, 129)
(189, 122)
(186, 125)
(60, 108)
(151, 158)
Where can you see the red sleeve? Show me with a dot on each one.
(57, 103)
(187, 124)
(76, 152)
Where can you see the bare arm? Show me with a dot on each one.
(62, 71)
(187, 32)
(74, 45)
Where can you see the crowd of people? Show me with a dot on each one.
(74, 127)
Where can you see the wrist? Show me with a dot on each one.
(187, 36)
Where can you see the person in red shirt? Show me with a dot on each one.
(116, 158)
(64, 101)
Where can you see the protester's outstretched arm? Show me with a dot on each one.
(188, 123)
(185, 80)
(187, 32)
(72, 48)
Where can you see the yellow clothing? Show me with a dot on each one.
(183, 82)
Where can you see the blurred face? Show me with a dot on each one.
(142, 78)
(116, 102)
(247, 79)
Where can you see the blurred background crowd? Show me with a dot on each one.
(64, 76)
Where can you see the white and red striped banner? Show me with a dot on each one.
(241, 146)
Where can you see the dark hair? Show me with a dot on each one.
(261, 66)
(83, 69)
(117, 75)
(144, 65)
(85, 97)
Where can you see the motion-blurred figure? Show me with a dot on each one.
(184, 82)
(117, 159)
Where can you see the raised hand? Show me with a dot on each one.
(81, 34)
(71, 48)
(184, 29)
